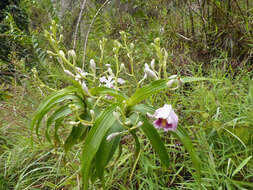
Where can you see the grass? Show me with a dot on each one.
(217, 116)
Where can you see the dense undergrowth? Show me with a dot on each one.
(212, 39)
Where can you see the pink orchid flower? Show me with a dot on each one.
(165, 117)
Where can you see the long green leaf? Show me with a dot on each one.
(102, 90)
(107, 149)
(156, 141)
(93, 141)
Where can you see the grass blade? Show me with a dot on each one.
(244, 162)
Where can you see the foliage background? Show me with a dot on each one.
(210, 38)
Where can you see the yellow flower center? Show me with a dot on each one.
(164, 122)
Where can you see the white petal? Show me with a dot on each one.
(110, 78)
(150, 73)
(163, 112)
(103, 79)
(173, 77)
(150, 116)
(121, 81)
(146, 66)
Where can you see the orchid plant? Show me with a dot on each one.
(100, 109)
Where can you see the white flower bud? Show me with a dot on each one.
(93, 65)
(68, 72)
(111, 136)
(128, 121)
(116, 115)
(157, 40)
(62, 54)
(139, 124)
(72, 53)
(74, 123)
(108, 65)
(85, 88)
(122, 67)
(153, 64)
(92, 113)
(110, 71)
(132, 46)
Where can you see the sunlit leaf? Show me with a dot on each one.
(146, 91)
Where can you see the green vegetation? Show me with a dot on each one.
(55, 125)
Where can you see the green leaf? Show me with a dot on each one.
(142, 108)
(107, 149)
(49, 103)
(102, 90)
(74, 136)
(156, 141)
(93, 141)
(244, 162)
(146, 91)
(181, 134)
